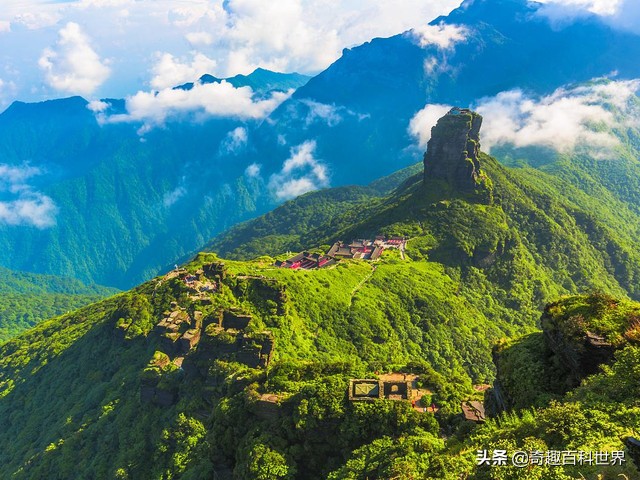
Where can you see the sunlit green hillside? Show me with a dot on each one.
(244, 372)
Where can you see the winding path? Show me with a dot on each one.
(362, 282)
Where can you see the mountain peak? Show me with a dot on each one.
(452, 151)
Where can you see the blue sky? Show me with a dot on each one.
(139, 49)
(114, 48)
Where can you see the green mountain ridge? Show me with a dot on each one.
(28, 298)
(238, 369)
(526, 214)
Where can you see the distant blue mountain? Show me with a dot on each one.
(378, 87)
(261, 81)
(129, 208)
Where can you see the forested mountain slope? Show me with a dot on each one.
(240, 369)
(27, 298)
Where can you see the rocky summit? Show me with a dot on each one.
(452, 151)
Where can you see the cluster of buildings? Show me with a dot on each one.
(366, 249)
(360, 249)
(392, 386)
(306, 261)
(404, 387)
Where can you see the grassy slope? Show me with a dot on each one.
(474, 273)
(560, 240)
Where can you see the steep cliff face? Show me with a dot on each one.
(583, 355)
(580, 333)
(452, 152)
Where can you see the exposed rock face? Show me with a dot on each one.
(633, 447)
(215, 271)
(452, 152)
(582, 353)
(582, 356)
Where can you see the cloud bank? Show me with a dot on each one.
(28, 207)
(253, 170)
(169, 71)
(568, 118)
(203, 100)
(240, 35)
(173, 196)
(599, 7)
(620, 14)
(443, 36)
(235, 142)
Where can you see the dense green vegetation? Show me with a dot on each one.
(534, 241)
(548, 411)
(98, 426)
(27, 298)
(618, 321)
(104, 392)
(473, 273)
(90, 420)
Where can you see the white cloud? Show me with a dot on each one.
(277, 34)
(289, 35)
(430, 65)
(35, 210)
(443, 36)
(5, 26)
(564, 120)
(599, 7)
(29, 207)
(422, 122)
(36, 19)
(196, 13)
(203, 100)
(329, 114)
(199, 38)
(627, 16)
(173, 196)
(12, 176)
(103, 3)
(170, 71)
(300, 173)
(253, 170)
(72, 65)
(295, 187)
(97, 106)
(620, 14)
(235, 141)
(297, 35)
